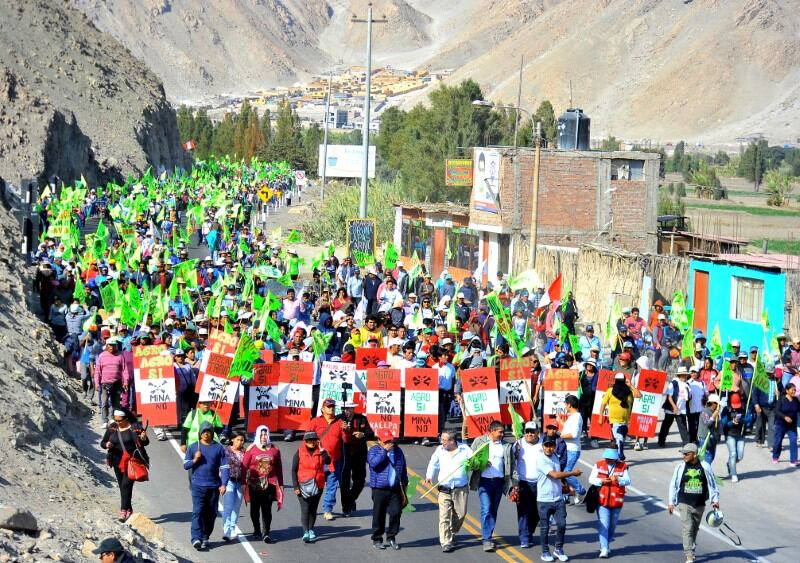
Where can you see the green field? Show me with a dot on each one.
(768, 211)
(779, 246)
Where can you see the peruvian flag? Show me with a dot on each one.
(189, 145)
(553, 294)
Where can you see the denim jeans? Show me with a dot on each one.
(607, 524)
(572, 459)
(558, 510)
(619, 437)
(527, 512)
(204, 511)
(735, 452)
(783, 428)
(711, 450)
(231, 503)
(490, 492)
(331, 484)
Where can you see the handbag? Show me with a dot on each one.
(592, 498)
(137, 469)
(309, 488)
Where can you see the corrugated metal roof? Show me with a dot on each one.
(447, 207)
(778, 261)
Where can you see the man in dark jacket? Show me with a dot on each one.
(764, 404)
(354, 470)
(371, 285)
(388, 479)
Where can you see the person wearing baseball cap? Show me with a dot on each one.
(111, 550)
(708, 431)
(675, 407)
(528, 449)
(333, 436)
(354, 469)
(388, 479)
(611, 476)
(693, 483)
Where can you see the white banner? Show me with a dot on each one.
(346, 161)
(156, 390)
(335, 378)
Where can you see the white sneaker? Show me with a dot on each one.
(603, 554)
(734, 479)
(547, 557)
(329, 516)
(559, 553)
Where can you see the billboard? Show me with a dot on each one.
(458, 172)
(346, 161)
(486, 180)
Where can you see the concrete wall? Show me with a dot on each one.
(720, 285)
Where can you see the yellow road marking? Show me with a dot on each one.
(473, 526)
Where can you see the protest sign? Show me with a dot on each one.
(295, 394)
(421, 411)
(369, 357)
(515, 388)
(605, 379)
(336, 380)
(481, 404)
(220, 343)
(217, 387)
(154, 380)
(644, 417)
(557, 384)
(383, 399)
(264, 396)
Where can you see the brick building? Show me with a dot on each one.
(607, 198)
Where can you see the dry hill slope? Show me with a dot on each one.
(74, 101)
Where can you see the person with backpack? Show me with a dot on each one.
(610, 475)
(308, 472)
(619, 400)
(678, 396)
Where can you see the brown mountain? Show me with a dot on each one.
(705, 70)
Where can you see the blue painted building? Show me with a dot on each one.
(733, 290)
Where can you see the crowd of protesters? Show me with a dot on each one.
(162, 296)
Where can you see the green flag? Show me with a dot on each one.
(452, 319)
(274, 332)
(331, 249)
(285, 280)
(258, 302)
(294, 237)
(101, 232)
(243, 359)
(479, 459)
(517, 423)
(390, 257)
(108, 293)
(228, 327)
(716, 343)
(765, 320)
(320, 342)
(411, 489)
(760, 378)
(574, 344)
(79, 293)
(273, 301)
(726, 382)
(614, 314)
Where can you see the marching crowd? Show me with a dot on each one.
(133, 283)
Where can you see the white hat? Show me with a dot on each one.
(399, 264)
(446, 341)
(460, 295)
(203, 330)
(736, 343)
(74, 308)
(619, 376)
(662, 317)
(713, 398)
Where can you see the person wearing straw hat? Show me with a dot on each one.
(611, 476)
(447, 463)
(693, 483)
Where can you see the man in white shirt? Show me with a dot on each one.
(527, 452)
(571, 434)
(697, 398)
(550, 499)
(492, 478)
(447, 464)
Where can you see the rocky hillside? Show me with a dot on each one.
(705, 70)
(74, 101)
(57, 499)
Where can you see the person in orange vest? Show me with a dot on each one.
(611, 476)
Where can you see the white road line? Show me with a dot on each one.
(246, 545)
(724, 539)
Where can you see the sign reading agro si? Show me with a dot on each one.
(361, 237)
(458, 172)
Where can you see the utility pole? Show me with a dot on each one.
(362, 207)
(516, 220)
(325, 139)
(535, 200)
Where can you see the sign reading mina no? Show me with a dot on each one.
(361, 236)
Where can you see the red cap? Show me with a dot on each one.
(384, 435)
(105, 333)
(625, 356)
(735, 400)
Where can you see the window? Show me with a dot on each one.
(463, 247)
(625, 169)
(747, 299)
(415, 236)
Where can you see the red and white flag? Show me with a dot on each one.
(481, 405)
(421, 415)
(189, 145)
(220, 343)
(264, 391)
(383, 399)
(553, 294)
(644, 415)
(605, 379)
(295, 396)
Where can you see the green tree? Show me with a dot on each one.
(224, 132)
(287, 139)
(185, 123)
(266, 127)
(242, 122)
(203, 134)
(312, 139)
(547, 117)
(753, 163)
(610, 144)
(778, 187)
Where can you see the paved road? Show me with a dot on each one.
(645, 529)
(761, 508)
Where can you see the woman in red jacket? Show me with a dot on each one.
(308, 471)
(263, 475)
